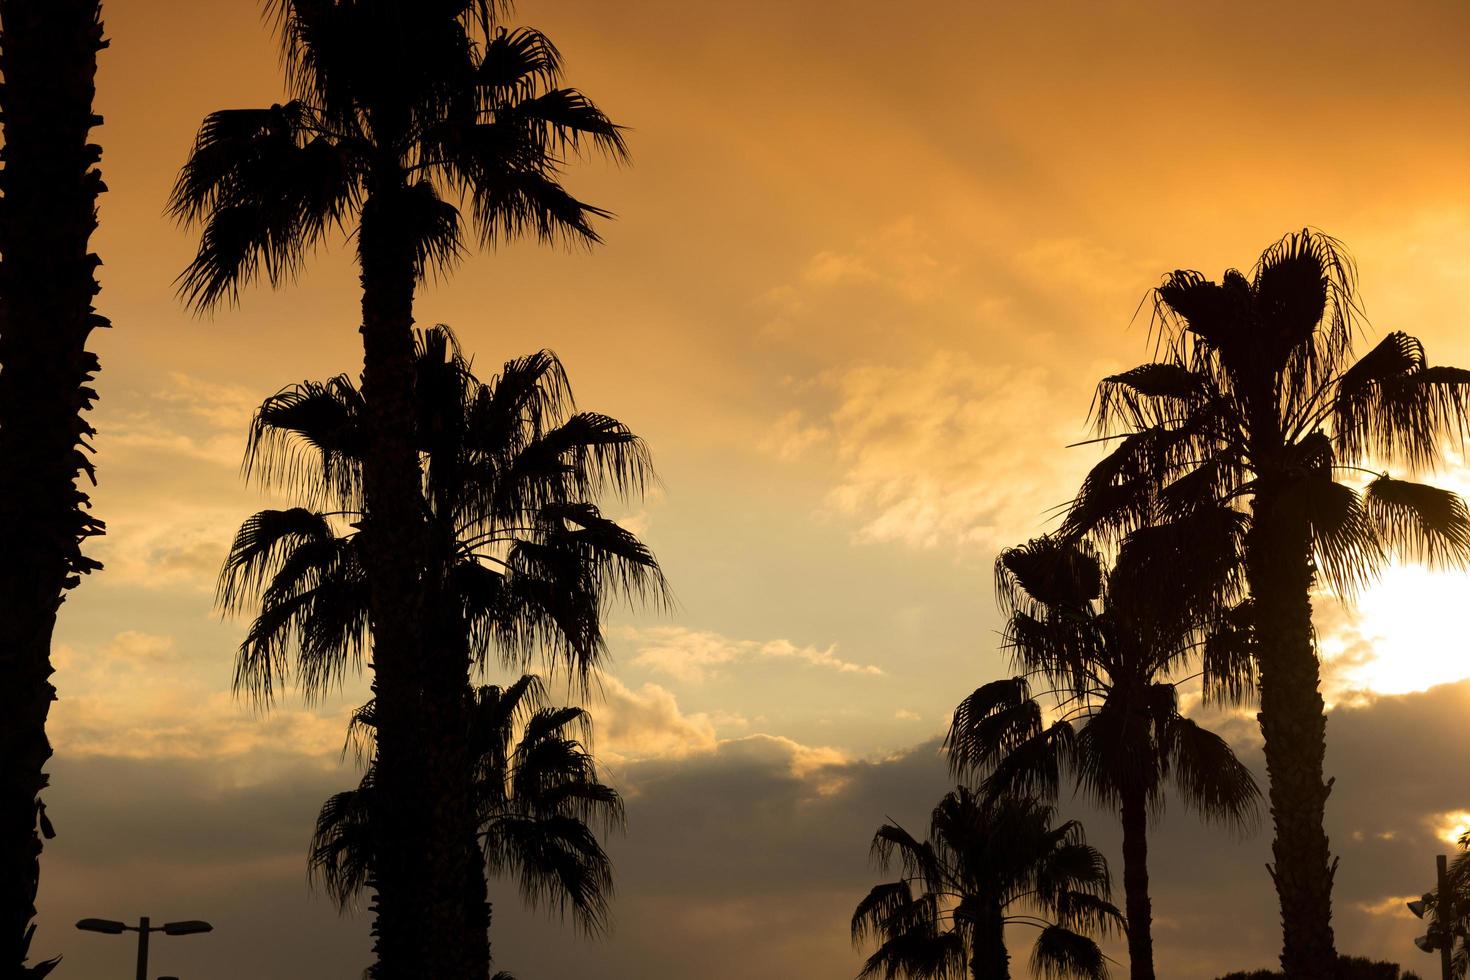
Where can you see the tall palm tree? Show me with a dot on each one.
(539, 804)
(988, 862)
(399, 109)
(1107, 646)
(50, 183)
(524, 562)
(1256, 405)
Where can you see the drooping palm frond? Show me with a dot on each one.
(991, 723)
(340, 858)
(1420, 522)
(1060, 953)
(558, 863)
(310, 437)
(1207, 774)
(266, 188)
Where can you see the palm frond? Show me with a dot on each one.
(1035, 767)
(340, 857)
(1420, 522)
(1348, 547)
(1209, 777)
(261, 545)
(266, 190)
(990, 724)
(517, 63)
(1307, 312)
(1228, 658)
(1045, 573)
(1147, 396)
(558, 863)
(1061, 954)
(310, 438)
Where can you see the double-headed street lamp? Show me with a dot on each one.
(1449, 914)
(187, 927)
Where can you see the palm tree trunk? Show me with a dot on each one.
(1134, 814)
(989, 958)
(1294, 725)
(48, 55)
(423, 927)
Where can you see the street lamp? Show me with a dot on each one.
(1447, 911)
(185, 927)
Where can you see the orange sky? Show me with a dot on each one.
(869, 261)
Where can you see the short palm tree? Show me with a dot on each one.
(50, 184)
(988, 862)
(523, 560)
(539, 805)
(1107, 646)
(399, 109)
(1257, 406)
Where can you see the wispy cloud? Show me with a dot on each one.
(944, 450)
(696, 655)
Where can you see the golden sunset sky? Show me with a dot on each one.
(869, 261)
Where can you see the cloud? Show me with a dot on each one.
(696, 655)
(923, 458)
(187, 417)
(166, 544)
(139, 696)
(647, 724)
(742, 857)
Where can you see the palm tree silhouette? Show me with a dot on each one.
(537, 799)
(400, 108)
(50, 183)
(1256, 398)
(523, 560)
(1107, 645)
(988, 862)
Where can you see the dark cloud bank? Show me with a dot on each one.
(733, 866)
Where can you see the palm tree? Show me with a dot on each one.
(1257, 406)
(537, 797)
(50, 183)
(399, 109)
(988, 862)
(523, 559)
(1107, 645)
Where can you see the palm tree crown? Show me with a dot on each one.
(1257, 392)
(987, 862)
(538, 799)
(398, 110)
(1257, 412)
(510, 471)
(1107, 646)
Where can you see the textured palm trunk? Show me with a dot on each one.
(424, 928)
(1134, 814)
(48, 55)
(1294, 726)
(989, 958)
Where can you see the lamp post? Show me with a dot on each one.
(112, 927)
(1441, 901)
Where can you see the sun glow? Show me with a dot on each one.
(1450, 827)
(1406, 633)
